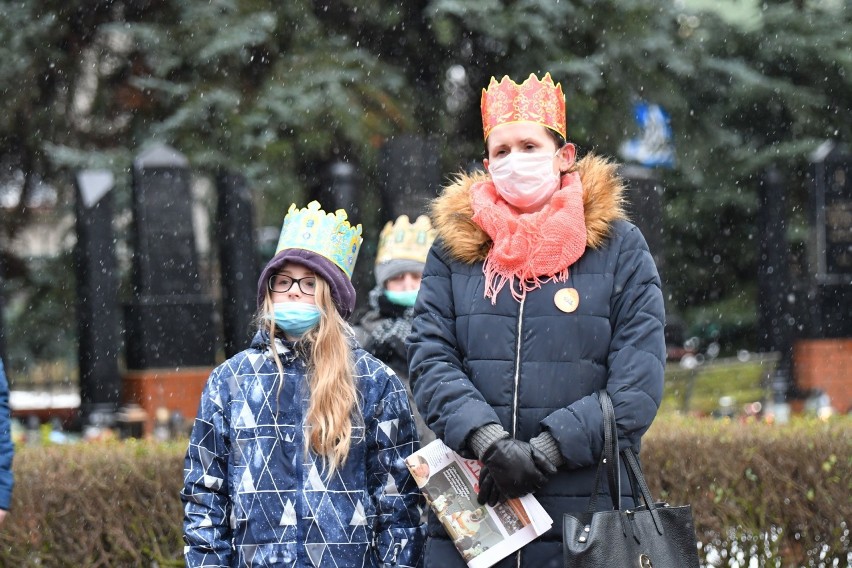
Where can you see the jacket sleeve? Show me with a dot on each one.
(400, 536)
(7, 448)
(636, 360)
(207, 504)
(450, 404)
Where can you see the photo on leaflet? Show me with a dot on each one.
(453, 501)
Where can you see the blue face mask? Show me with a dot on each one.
(402, 298)
(296, 318)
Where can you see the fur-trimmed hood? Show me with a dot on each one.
(603, 202)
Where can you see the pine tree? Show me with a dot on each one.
(276, 90)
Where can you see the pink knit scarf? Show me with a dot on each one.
(533, 247)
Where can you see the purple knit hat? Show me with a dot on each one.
(342, 291)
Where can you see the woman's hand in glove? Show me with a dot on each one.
(511, 468)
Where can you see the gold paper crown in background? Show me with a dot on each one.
(534, 100)
(403, 240)
(329, 235)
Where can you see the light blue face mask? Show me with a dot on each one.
(402, 298)
(296, 318)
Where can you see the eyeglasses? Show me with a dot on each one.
(281, 283)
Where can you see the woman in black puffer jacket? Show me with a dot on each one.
(536, 294)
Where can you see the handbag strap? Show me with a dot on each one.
(609, 461)
(613, 467)
(635, 470)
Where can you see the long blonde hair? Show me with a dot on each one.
(334, 403)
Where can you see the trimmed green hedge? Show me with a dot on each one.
(101, 504)
(780, 494)
(757, 490)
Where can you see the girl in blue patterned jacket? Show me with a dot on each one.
(296, 456)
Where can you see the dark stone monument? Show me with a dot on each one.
(237, 260)
(832, 242)
(410, 172)
(340, 189)
(97, 292)
(645, 210)
(645, 207)
(169, 320)
(776, 323)
(822, 353)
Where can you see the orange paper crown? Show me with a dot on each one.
(534, 100)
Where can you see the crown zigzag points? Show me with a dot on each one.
(327, 234)
(540, 101)
(403, 240)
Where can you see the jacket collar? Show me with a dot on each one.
(287, 350)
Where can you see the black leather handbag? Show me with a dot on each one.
(653, 535)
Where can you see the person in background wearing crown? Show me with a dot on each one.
(382, 330)
(536, 294)
(297, 455)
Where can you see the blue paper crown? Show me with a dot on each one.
(328, 235)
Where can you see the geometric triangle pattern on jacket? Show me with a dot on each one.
(254, 497)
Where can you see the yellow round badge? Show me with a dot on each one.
(567, 300)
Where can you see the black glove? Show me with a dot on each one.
(488, 491)
(511, 469)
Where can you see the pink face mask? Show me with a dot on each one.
(525, 180)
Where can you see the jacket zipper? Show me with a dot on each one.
(517, 369)
(515, 392)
